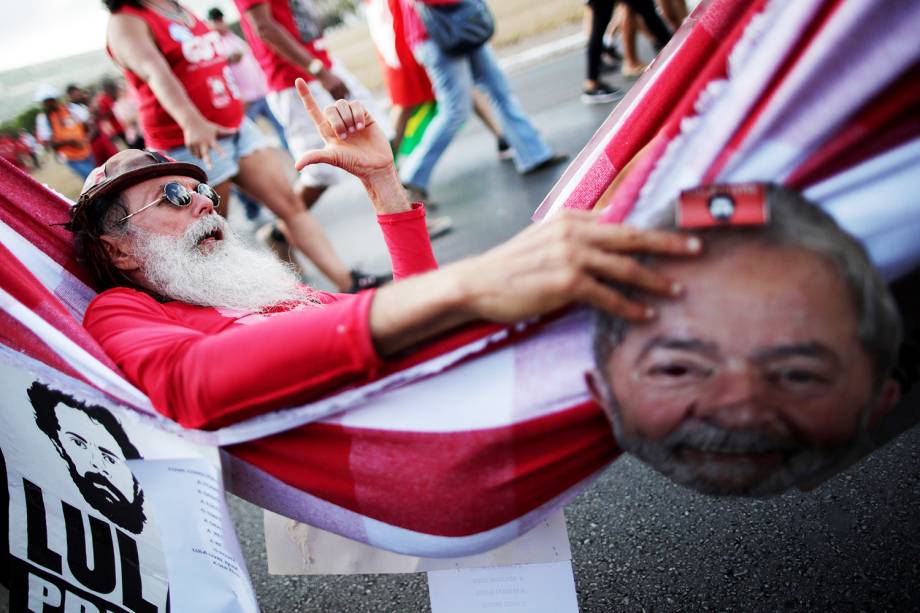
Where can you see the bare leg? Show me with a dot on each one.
(262, 176)
(484, 112)
(673, 11)
(632, 66)
(223, 190)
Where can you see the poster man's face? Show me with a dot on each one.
(753, 380)
(97, 463)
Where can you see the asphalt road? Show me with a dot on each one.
(640, 543)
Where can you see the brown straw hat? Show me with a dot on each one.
(130, 167)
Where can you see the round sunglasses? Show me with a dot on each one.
(178, 195)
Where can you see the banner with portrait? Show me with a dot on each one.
(102, 513)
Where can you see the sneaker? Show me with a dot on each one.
(601, 94)
(611, 59)
(417, 194)
(612, 53)
(632, 71)
(556, 158)
(361, 281)
(505, 152)
(438, 226)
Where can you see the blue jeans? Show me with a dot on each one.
(226, 166)
(83, 167)
(452, 79)
(259, 108)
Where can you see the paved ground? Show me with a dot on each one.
(640, 543)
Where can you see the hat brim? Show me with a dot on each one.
(138, 175)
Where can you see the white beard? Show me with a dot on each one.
(228, 275)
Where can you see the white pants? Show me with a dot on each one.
(302, 135)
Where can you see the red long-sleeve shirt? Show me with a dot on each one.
(205, 367)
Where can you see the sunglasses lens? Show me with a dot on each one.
(205, 190)
(177, 194)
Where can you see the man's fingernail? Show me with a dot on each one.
(677, 288)
(649, 312)
(360, 126)
(694, 244)
(351, 130)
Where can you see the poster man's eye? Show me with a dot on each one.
(676, 372)
(79, 442)
(797, 377)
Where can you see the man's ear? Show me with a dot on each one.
(119, 253)
(597, 389)
(887, 399)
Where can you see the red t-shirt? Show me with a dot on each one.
(196, 56)
(105, 115)
(298, 19)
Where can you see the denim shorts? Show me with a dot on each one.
(225, 167)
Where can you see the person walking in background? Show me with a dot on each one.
(13, 150)
(406, 80)
(33, 146)
(596, 91)
(100, 139)
(247, 74)
(126, 109)
(287, 39)
(62, 127)
(672, 11)
(103, 106)
(452, 78)
(190, 108)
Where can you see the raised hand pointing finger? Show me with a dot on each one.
(313, 110)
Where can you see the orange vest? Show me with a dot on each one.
(63, 127)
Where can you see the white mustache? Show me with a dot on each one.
(232, 275)
(201, 227)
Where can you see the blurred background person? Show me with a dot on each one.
(99, 139)
(126, 110)
(595, 91)
(34, 147)
(247, 74)
(62, 128)
(630, 23)
(103, 106)
(407, 83)
(14, 151)
(452, 77)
